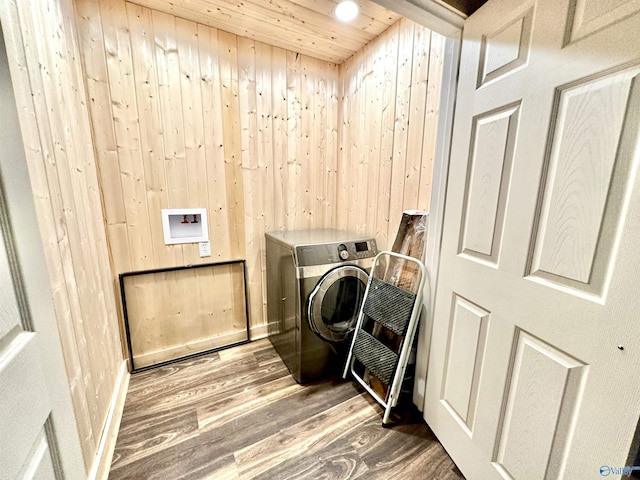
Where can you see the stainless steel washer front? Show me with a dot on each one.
(315, 284)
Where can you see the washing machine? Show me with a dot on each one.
(316, 281)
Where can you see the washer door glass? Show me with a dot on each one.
(335, 303)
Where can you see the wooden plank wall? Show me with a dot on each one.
(56, 133)
(389, 106)
(187, 116)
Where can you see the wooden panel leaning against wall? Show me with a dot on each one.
(57, 137)
(186, 116)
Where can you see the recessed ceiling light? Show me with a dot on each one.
(346, 11)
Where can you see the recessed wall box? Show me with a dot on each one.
(185, 225)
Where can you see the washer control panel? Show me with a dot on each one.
(326, 253)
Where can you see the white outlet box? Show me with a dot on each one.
(205, 249)
(184, 225)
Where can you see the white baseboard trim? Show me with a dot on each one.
(104, 454)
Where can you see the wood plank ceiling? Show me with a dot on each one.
(304, 26)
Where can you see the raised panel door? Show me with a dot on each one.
(535, 345)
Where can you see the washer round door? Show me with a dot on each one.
(335, 302)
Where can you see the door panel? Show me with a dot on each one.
(590, 16)
(544, 387)
(585, 189)
(538, 278)
(20, 374)
(493, 140)
(39, 465)
(464, 359)
(506, 48)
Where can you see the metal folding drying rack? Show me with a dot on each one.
(397, 310)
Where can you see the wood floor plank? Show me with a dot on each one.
(433, 463)
(339, 460)
(268, 355)
(151, 377)
(206, 371)
(156, 435)
(392, 451)
(307, 437)
(238, 414)
(268, 420)
(217, 413)
(247, 348)
(178, 463)
(375, 444)
(203, 389)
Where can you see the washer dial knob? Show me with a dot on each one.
(343, 252)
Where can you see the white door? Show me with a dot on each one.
(38, 434)
(535, 359)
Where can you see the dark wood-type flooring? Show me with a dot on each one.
(238, 414)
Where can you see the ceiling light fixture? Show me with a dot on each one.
(346, 11)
